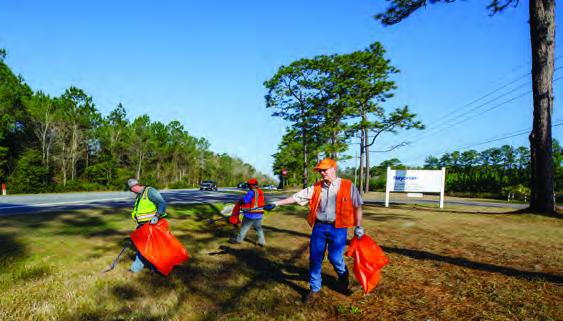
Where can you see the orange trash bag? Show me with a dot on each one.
(157, 244)
(234, 218)
(368, 261)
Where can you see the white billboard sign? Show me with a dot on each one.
(406, 180)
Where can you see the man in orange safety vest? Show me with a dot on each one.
(335, 204)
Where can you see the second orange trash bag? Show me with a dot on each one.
(157, 244)
(234, 218)
(368, 261)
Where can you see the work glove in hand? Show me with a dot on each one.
(154, 219)
(269, 207)
(359, 232)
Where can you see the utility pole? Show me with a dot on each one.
(355, 167)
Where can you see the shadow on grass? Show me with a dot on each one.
(125, 292)
(377, 217)
(197, 279)
(263, 272)
(100, 315)
(284, 231)
(87, 225)
(486, 267)
(10, 251)
(203, 211)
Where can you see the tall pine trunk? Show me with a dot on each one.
(362, 152)
(366, 146)
(542, 32)
(139, 164)
(305, 158)
(334, 140)
(73, 152)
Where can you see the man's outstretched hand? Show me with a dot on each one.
(359, 232)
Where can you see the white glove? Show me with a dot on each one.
(359, 232)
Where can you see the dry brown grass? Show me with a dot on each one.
(454, 264)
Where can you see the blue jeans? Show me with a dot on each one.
(140, 262)
(324, 235)
(247, 223)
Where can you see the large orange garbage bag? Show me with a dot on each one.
(157, 244)
(234, 218)
(368, 261)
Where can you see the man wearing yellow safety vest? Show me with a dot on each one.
(252, 206)
(149, 207)
(335, 204)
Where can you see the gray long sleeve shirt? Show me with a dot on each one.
(327, 205)
(155, 197)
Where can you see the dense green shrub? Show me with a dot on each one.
(30, 175)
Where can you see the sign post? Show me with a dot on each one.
(443, 186)
(284, 174)
(388, 187)
(415, 181)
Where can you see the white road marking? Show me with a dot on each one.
(63, 203)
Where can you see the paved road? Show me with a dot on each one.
(30, 204)
(37, 203)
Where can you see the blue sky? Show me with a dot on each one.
(204, 62)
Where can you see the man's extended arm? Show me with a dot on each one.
(286, 201)
(158, 200)
(359, 215)
(302, 198)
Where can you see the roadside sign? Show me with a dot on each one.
(3, 189)
(415, 182)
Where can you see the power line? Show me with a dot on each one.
(441, 127)
(526, 131)
(446, 125)
(498, 89)
(478, 114)
(509, 135)
(446, 117)
(452, 114)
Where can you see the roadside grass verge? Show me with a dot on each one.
(462, 263)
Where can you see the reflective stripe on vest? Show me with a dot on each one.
(345, 216)
(257, 201)
(144, 208)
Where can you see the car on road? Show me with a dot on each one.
(242, 185)
(269, 187)
(208, 185)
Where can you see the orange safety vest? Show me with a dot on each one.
(257, 201)
(344, 207)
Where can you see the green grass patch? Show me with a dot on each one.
(459, 263)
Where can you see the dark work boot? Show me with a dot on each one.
(312, 297)
(344, 283)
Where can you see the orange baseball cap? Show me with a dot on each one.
(252, 181)
(325, 164)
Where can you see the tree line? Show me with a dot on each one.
(50, 144)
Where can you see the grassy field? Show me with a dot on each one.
(457, 264)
